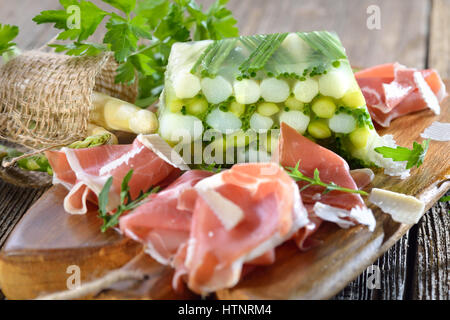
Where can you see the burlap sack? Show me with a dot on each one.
(45, 98)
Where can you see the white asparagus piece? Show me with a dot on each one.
(335, 83)
(342, 123)
(186, 85)
(175, 127)
(296, 119)
(246, 91)
(216, 89)
(260, 123)
(306, 90)
(274, 90)
(115, 114)
(225, 122)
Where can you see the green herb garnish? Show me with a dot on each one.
(140, 36)
(212, 167)
(7, 34)
(213, 57)
(414, 156)
(39, 162)
(126, 204)
(326, 43)
(315, 181)
(259, 56)
(444, 199)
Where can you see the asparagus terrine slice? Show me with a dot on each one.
(242, 88)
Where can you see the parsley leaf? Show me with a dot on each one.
(7, 35)
(90, 17)
(126, 203)
(414, 156)
(123, 5)
(140, 36)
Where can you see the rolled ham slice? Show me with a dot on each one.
(267, 211)
(393, 90)
(85, 171)
(345, 209)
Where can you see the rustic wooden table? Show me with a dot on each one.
(413, 32)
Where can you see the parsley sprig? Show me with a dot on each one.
(212, 167)
(414, 156)
(140, 36)
(316, 181)
(7, 34)
(126, 204)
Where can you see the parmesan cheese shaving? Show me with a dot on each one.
(163, 150)
(438, 131)
(228, 213)
(345, 218)
(402, 208)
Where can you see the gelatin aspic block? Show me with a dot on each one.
(243, 88)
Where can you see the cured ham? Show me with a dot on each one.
(160, 223)
(85, 171)
(239, 216)
(392, 90)
(345, 209)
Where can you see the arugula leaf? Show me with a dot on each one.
(126, 203)
(444, 199)
(7, 34)
(414, 156)
(141, 36)
(316, 181)
(103, 196)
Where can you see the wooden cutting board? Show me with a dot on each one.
(36, 257)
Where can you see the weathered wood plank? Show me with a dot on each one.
(432, 272)
(14, 201)
(439, 52)
(431, 275)
(349, 19)
(20, 13)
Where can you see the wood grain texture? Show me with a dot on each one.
(439, 51)
(349, 19)
(47, 240)
(14, 201)
(431, 272)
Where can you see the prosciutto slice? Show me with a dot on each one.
(345, 209)
(393, 90)
(160, 224)
(85, 171)
(239, 216)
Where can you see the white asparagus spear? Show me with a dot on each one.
(115, 114)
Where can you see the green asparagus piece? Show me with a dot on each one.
(40, 162)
